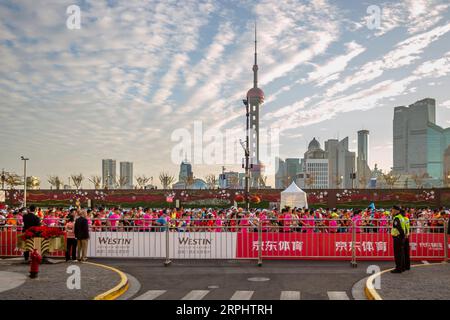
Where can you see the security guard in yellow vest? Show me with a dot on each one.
(398, 236)
(407, 264)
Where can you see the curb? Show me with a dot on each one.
(372, 294)
(118, 290)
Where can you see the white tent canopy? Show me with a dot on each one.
(293, 196)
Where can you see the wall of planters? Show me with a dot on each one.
(351, 198)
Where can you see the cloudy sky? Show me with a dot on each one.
(138, 70)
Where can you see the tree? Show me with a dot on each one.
(233, 181)
(121, 182)
(263, 181)
(13, 180)
(77, 180)
(96, 181)
(55, 181)
(33, 183)
(166, 179)
(142, 181)
(211, 181)
(390, 178)
(363, 179)
(188, 181)
(419, 179)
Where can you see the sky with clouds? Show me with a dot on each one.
(138, 70)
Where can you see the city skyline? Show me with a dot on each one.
(106, 91)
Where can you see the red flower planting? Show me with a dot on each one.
(42, 232)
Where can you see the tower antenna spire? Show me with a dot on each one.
(255, 66)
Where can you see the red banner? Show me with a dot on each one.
(371, 246)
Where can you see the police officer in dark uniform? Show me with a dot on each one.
(398, 237)
(407, 263)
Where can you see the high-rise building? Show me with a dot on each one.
(185, 171)
(109, 173)
(419, 143)
(126, 174)
(280, 174)
(363, 146)
(362, 162)
(292, 170)
(230, 180)
(341, 164)
(315, 174)
(255, 98)
(447, 167)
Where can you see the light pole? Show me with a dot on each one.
(3, 177)
(24, 180)
(247, 156)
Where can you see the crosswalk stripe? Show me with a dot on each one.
(337, 295)
(242, 295)
(150, 295)
(290, 295)
(195, 295)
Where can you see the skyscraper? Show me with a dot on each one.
(363, 146)
(255, 98)
(109, 173)
(185, 171)
(362, 162)
(316, 171)
(126, 174)
(419, 143)
(280, 174)
(341, 163)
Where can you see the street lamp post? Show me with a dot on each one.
(24, 180)
(3, 177)
(247, 156)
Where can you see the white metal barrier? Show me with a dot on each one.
(251, 238)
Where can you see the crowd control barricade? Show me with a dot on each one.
(353, 239)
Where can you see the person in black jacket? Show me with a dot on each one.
(398, 237)
(30, 220)
(82, 235)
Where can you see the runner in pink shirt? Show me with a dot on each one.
(113, 220)
(50, 220)
(219, 223)
(287, 220)
(309, 223)
(147, 220)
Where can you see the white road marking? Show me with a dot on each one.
(425, 262)
(242, 295)
(290, 295)
(337, 295)
(150, 295)
(195, 295)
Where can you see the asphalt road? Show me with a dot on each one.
(221, 280)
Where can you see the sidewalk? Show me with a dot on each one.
(422, 282)
(52, 281)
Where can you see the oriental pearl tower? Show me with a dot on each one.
(255, 98)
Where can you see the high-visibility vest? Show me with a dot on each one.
(394, 231)
(407, 225)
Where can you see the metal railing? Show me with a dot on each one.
(250, 238)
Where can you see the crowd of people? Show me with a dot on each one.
(370, 219)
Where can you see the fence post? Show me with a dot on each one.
(259, 243)
(167, 262)
(446, 241)
(353, 262)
